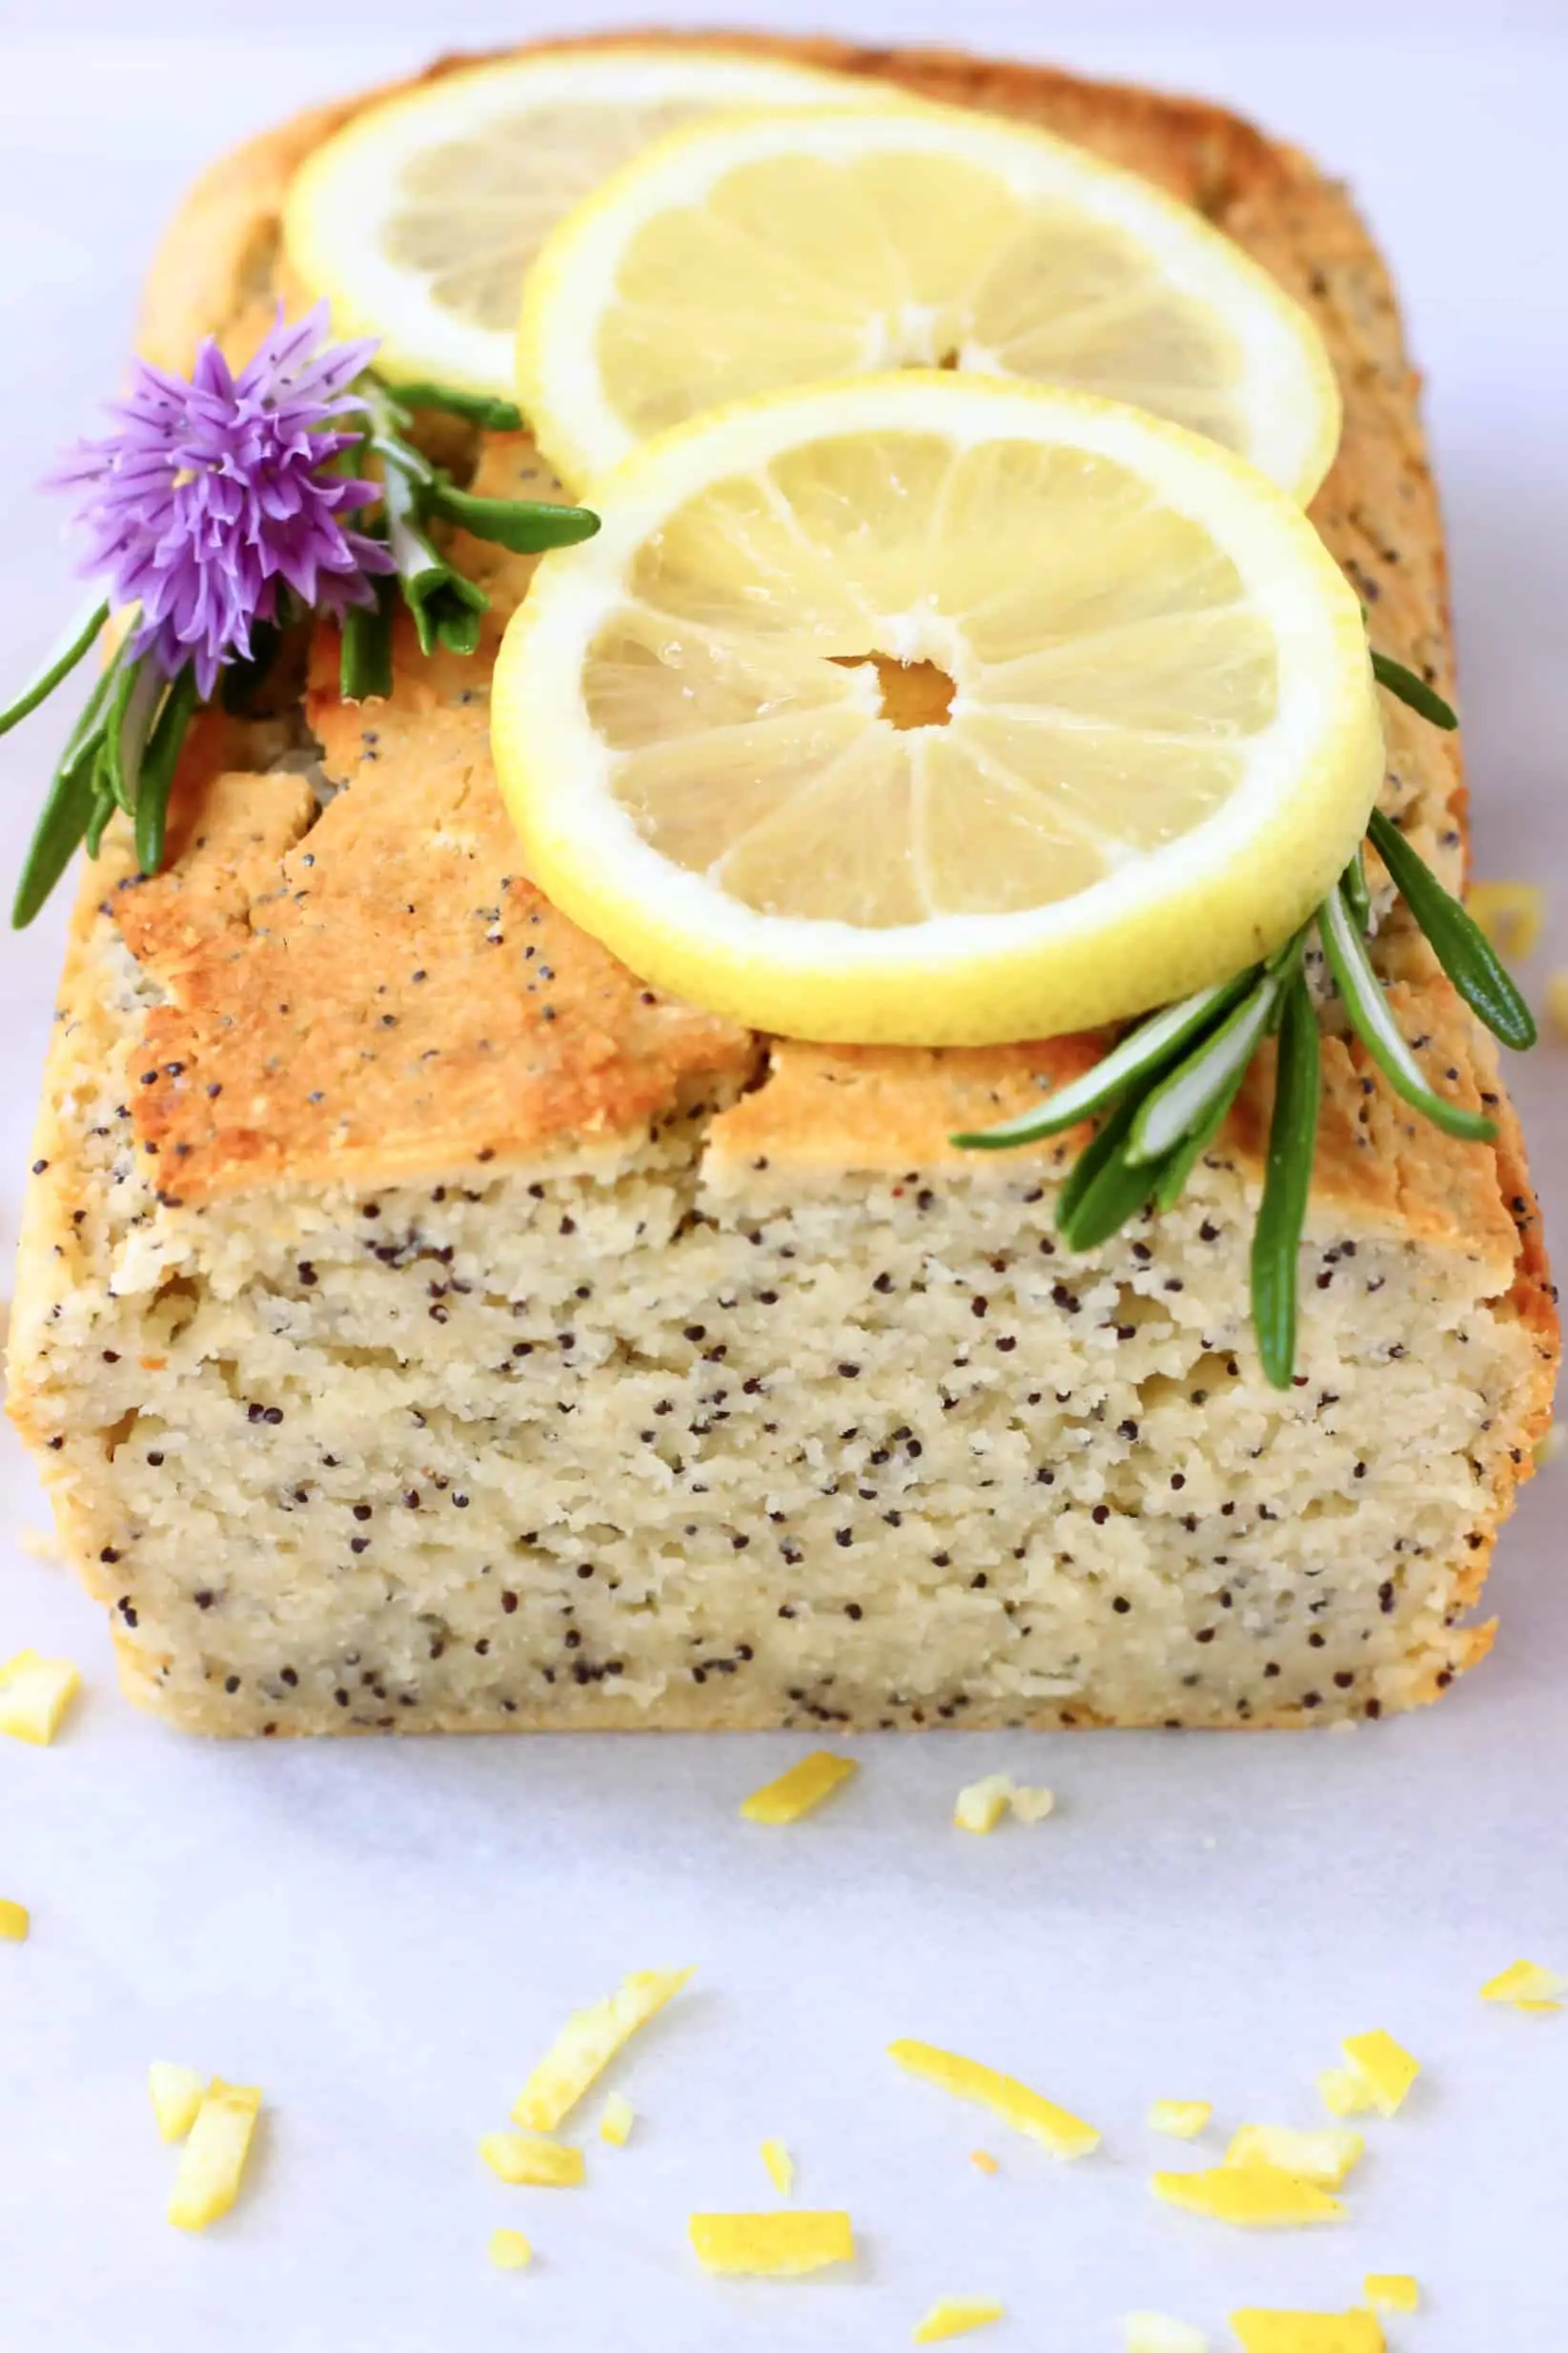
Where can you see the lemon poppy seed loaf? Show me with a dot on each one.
(423, 1324)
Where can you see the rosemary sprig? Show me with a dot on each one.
(1293, 1134)
(1415, 691)
(1163, 1090)
(1147, 1048)
(82, 635)
(1456, 939)
(69, 804)
(1353, 882)
(158, 768)
(133, 709)
(1184, 1099)
(1178, 1165)
(1373, 1021)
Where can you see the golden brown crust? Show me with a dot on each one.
(382, 990)
(881, 1109)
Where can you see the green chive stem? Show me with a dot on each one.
(477, 408)
(364, 664)
(526, 526)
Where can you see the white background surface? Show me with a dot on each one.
(384, 1937)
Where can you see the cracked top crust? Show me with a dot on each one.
(379, 990)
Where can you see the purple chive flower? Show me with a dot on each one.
(211, 497)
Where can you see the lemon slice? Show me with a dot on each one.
(744, 255)
(933, 709)
(420, 218)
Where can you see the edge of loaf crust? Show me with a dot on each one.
(149, 961)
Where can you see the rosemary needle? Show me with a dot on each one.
(1293, 1131)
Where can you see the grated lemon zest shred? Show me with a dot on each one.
(1054, 2128)
(780, 2167)
(1387, 2068)
(956, 2316)
(34, 1694)
(780, 2245)
(586, 2044)
(1308, 2332)
(1391, 2291)
(1324, 2158)
(1525, 1985)
(211, 2164)
(1254, 2196)
(176, 2093)
(800, 1791)
(538, 2163)
(615, 2123)
(510, 2250)
(1181, 2120)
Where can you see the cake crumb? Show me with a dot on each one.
(981, 1805)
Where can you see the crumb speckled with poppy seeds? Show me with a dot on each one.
(422, 1324)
